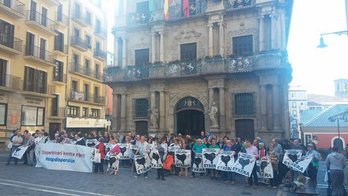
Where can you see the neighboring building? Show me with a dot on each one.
(321, 102)
(49, 75)
(341, 88)
(219, 66)
(108, 90)
(297, 104)
(321, 130)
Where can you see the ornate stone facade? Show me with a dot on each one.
(241, 95)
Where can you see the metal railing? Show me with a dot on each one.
(100, 54)
(14, 5)
(11, 42)
(204, 66)
(238, 4)
(101, 32)
(76, 41)
(38, 18)
(83, 96)
(138, 18)
(39, 88)
(59, 77)
(99, 99)
(61, 18)
(85, 71)
(194, 9)
(10, 82)
(80, 17)
(39, 53)
(61, 48)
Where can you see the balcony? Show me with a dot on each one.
(57, 113)
(100, 54)
(62, 20)
(40, 22)
(201, 67)
(59, 78)
(177, 13)
(138, 18)
(99, 99)
(10, 83)
(86, 97)
(38, 90)
(238, 4)
(102, 33)
(61, 49)
(80, 19)
(38, 54)
(82, 70)
(80, 44)
(12, 8)
(10, 44)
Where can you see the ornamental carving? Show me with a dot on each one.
(185, 34)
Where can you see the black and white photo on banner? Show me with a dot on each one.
(182, 158)
(156, 159)
(294, 160)
(197, 165)
(225, 161)
(142, 163)
(210, 157)
(264, 167)
(244, 164)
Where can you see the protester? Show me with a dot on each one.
(160, 171)
(229, 177)
(312, 169)
(197, 148)
(80, 140)
(184, 146)
(336, 162)
(252, 150)
(213, 173)
(276, 154)
(17, 141)
(143, 149)
(101, 149)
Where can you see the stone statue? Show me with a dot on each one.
(154, 118)
(213, 116)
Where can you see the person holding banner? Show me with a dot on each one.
(252, 150)
(312, 169)
(276, 154)
(160, 151)
(197, 149)
(184, 171)
(213, 145)
(17, 141)
(143, 148)
(101, 149)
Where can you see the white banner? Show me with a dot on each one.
(142, 163)
(156, 160)
(64, 157)
(125, 151)
(19, 152)
(91, 142)
(294, 160)
(265, 168)
(197, 166)
(244, 164)
(182, 158)
(225, 161)
(210, 157)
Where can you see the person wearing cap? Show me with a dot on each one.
(312, 169)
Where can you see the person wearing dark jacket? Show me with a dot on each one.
(160, 171)
(80, 140)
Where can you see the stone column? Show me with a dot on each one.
(123, 112)
(124, 52)
(162, 111)
(276, 119)
(274, 31)
(153, 47)
(153, 99)
(210, 40)
(261, 36)
(263, 107)
(116, 57)
(222, 39)
(222, 108)
(211, 97)
(161, 46)
(115, 112)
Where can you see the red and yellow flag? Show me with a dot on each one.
(166, 9)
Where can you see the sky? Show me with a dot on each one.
(314, 68)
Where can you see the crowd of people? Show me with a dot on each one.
(165, 144)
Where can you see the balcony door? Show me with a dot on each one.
(8, 3)
(3, 67)
(43, 49)
(33, 11)
(30, 44)
(44, 17)
(6, 34)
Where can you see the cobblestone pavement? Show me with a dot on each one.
(25, 180)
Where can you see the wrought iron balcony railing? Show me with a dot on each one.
(59, 77)
(102, 33)
(61, 18)
(100, 54)
(13, 5)
(76, 68)
(11, 42)
(138, 18)
(80, 18)
(84, 96)
(194, 9)
(10, 82)
(76, 41)
(238, 4)
(38, 88)
(39, 53)
(41, 20)
(209, 65)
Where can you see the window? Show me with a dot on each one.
(141, 108)
(294, 113)
(33, 116)
(85, 92)
(95, 113)
(88, 41)
(30, 47)
(88, 18)
(59, 41)
(76, 33)
(84, 112)
(74, 86)
(87, 67)
(188, 52)
(6, 34)
(60, 13)
(97, 26)
(58, 71)
(3, 114)
(76, 59)
(293, 104)
(77, 10)
(143, 7)
(244, 104)
(97, 69)
(3, 67)
(96, 94)
(73, 111)
(267, 22)
(141, 57)
(54, 108)
(243, 45)
(35, 80)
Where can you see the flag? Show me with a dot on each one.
(166, 9)
(185, 8)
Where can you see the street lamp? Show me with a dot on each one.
(321, 41)
(337, 118)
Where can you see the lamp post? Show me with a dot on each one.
(337, 118)
(321, 41)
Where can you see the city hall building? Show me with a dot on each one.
(186, 66)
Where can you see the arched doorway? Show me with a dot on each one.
(189, 113)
